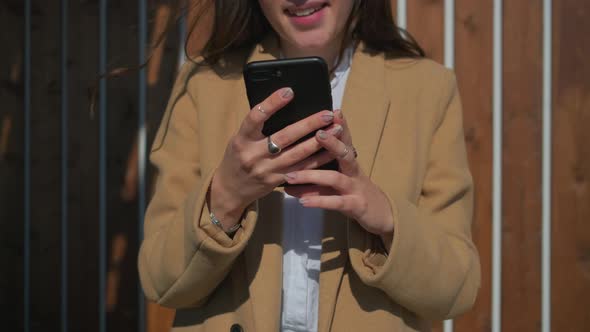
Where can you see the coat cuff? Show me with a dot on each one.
(369, 257)
(217, 239)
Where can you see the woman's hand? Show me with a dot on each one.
(349, 191)
(249, 171)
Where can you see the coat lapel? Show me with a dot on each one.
(365, 106)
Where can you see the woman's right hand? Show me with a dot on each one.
(248, 171)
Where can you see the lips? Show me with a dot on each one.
(305, 10)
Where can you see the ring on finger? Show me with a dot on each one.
(260, 109)
(354, 152)
(344, 153)
(273, 148)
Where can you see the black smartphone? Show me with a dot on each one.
(308, 77)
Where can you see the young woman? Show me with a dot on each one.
(383, 245)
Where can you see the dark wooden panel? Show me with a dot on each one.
(83, 171)
(11, 164)
(45, 167)
(426, 24)
(571, 162)
(521, 248)
(122, 127)
(123, 177)
(473, 66)
(83, 164)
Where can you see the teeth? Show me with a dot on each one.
(303, 12)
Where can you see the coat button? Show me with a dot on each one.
(236, 328)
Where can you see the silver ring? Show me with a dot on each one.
(344, 153)
(260, 109)
(347, 150)
(272, 147)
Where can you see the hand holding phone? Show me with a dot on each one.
(248, 172)
(309, 79)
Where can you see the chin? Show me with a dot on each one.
(311, 40)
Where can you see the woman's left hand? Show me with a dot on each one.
(349, 191)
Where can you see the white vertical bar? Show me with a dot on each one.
(450, 33)
(546, 172)
(449, 63)
(497, 172)
(402, 14)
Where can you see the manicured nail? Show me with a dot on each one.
(287, 93)
(336, 130)
(328, 117)
(303, 200)
(339, 113)
(290, 176)
(322, 134)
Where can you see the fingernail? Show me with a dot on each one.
(339, 113)
(322, 134)
(303, 200)
(328, 117)
(287, 93)
(290, 176)
(336, 130)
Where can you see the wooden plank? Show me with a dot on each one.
(162, 16)
(122, 129)
(159, 319)
(522, 87)
(45, 166)
(570, 284)
(426, 24)
(394, 10)
(473, 67)
(11, 165)
(83, 168)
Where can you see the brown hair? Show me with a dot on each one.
(238, 25)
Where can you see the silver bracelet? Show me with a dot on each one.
(217, 223)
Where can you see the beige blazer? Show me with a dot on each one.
(406, 123)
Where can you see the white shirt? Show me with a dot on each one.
(302, 243)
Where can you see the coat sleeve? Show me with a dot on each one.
(433, 266)
(183, 256)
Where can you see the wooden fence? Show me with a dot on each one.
(73, 184)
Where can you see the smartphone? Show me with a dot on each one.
(308, 77)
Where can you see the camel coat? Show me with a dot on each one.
(406, 123)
